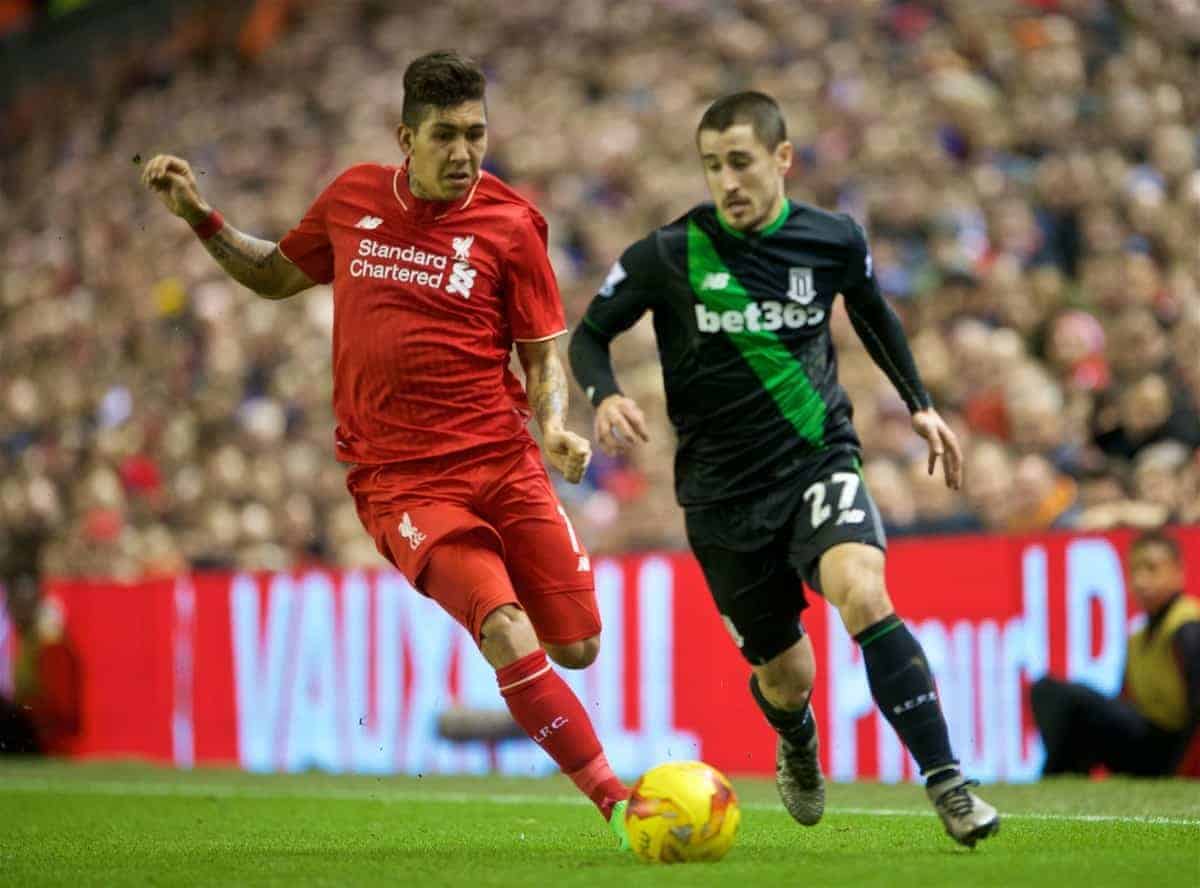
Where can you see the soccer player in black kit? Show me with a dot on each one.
(767, 466)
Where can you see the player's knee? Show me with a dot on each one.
(506, 635)
(576, 654)
(868, 596)
(851, 571)
(853, 582)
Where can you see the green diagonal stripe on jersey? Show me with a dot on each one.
(781, 374)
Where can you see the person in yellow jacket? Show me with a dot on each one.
(1151, 728)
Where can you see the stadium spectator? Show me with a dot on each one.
(1149, 730)
(1027, 181)
(989, 485)
(43, 714)
(939, 510)
(1043, 497)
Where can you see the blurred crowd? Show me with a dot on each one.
(1026, 171)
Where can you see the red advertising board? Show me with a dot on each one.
(348, 671)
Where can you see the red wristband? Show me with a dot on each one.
(209, 225)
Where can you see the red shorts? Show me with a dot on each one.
(506, 503)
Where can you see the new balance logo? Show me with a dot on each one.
(715, 280)
(851, 516)
(616, 274)
(462, 275)
(368, 222)
(409, 531)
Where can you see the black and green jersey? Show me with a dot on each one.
(742, 322)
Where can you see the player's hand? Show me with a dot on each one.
(943, 444)
(171, 178)
(568, 452)
(619, 425)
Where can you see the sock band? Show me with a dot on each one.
(876, 631)
(592, 775)
(522, 671)
(794, 725)
(525, 680)
(936, 775)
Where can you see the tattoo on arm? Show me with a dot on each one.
(548, 390)
(251, 261)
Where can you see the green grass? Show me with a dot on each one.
(135, 825)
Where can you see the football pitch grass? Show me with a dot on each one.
(130, 824)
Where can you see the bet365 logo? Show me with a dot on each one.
(758, 317)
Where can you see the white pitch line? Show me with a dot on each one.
(390, 796)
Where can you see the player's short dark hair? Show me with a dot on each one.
(441, 79)
(755, 108)
(1158, 538)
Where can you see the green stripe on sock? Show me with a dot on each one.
(880, 632)
(783, 377)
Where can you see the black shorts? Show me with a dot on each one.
(754, 552)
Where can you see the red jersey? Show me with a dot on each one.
(429, 297)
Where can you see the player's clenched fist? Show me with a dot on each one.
(619, 425)
(172, 180)
(569, 453)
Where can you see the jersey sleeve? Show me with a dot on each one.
(308, 246)
(627, 292)
(533, 303)
(859, 276)
(877, 324)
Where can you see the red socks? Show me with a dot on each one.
(549, 712)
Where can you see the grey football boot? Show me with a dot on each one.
(799, 779)
(966, 816)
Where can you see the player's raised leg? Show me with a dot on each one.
(782, 688)
(552, 578)
(759, 598)
(852, 579)
(467, 572)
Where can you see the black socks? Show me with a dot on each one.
(796, 726)
(902, 685)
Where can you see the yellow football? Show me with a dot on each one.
(682, 812)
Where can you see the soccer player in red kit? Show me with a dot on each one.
(438, 268)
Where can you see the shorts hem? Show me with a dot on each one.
(811, 573)
(492, 605)
(569, 639)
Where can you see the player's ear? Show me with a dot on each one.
(404, 138)
(784, 154)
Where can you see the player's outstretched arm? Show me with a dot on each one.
(619, 422)
(546, 385)
(251, 261)
(881, 332)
